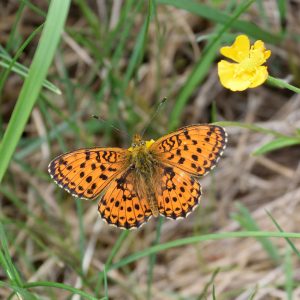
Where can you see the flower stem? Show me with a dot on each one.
(282, 84)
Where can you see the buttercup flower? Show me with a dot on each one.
(247, 70)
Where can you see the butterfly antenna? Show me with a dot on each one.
(160, 104)
(99, 118)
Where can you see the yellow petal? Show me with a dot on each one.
(259, 77)
(259, 45)
(259, 51)
(239, 49)
(267, 54)
(227, 74)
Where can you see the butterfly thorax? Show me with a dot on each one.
(144, 164)
(140, 154)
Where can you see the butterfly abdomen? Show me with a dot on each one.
(144, 165)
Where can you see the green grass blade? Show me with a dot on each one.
(293, 247)
(276, 144)
(282, 9)
(6, 260)
(35, 8)
(116, 248)
(250, 127)
(201, 238)
(152, 258)
(213, 112)
(34, 144)
(214, 292)
(112, 254)
(105, 283)
(217, 16)
(60, 286)
(29, 94)
(82, 242)
(202, 67)
(203, 295)
(19, 52)
(91, 17)
(198, 74)
(23, 72)
(288, 268)
(252, 295)
(21, 293)
(12, 36)
(124, 27)
(44, 108)
(16, 283)
(139, 48)
(247, 222)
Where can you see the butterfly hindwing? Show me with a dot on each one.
(121, 205)
(86, 172)
(194, 149)
(179, 193)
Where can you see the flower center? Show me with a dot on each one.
(247, 64)
(250, 63)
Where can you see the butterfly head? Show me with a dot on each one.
(138, 143)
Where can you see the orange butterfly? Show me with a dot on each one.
(147, 179)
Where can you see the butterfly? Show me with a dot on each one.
(150, 178)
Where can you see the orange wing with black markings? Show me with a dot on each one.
(194, 149)
(179, 193)
(85, 173)
(149, 178)
(121, 205)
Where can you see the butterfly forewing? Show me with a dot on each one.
(194, 149)
(85, 173)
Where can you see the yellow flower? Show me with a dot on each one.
(247, 70)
